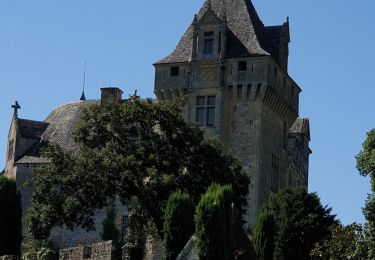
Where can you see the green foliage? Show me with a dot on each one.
(110, 231)
(10, 217)
(366, 158)
(137, 233)
(344, 243)
(136, 148)
(366, 167)
(213, 223)
(300, 222)
(178, 224)
(39, 249)
(264, 235)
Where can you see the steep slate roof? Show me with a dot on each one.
(30, 128)
(32, 160)
(301, 126)
(62, 122)
(272, 39)
(245, 31)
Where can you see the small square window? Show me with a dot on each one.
(175, 71)
(242, 66)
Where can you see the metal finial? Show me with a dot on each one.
(16, 106)
(83, 97)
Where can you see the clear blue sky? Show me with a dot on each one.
(43, 46)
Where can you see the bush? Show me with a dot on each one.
(264, 235)
(178, 224)
(300, 222)
(213, 223)
(110, 231)
(10, 218)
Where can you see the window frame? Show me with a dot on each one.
(209, 111)
(208, 40)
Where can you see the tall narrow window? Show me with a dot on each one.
(206, 110)
(208, 43)
(10, 149)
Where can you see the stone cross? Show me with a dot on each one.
(16, 106)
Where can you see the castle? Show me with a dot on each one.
(231, 71)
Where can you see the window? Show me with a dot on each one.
(208, 43)
(274, 173)
(206, 110)
(242, 66)
(175, 71)
(10, 149)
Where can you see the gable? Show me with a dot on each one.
(242, 23)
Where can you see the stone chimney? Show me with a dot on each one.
(110, 95)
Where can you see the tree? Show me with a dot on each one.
(137, 233)
(300, 222)
(366, 167)
(10, 217)
(135, 148)
(213, 224)
(110, 231)
(264, 234)
(178, 224)
(345, 242)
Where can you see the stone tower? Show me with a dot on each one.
(232, 72)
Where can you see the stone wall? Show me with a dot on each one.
(97, 251)
(154, 249)
(9, 257)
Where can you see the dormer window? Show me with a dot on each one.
(208, 43)
(175, 71)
